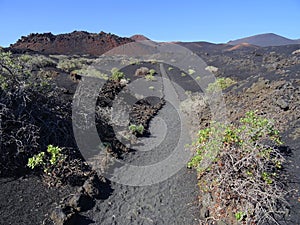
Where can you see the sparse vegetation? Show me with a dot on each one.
(116, 75)
(137, 129)
(150, 77)
(32, 112)
(240, 166)
(191, 71)
(46, 161)
(152, 72)
(220, 83)
(211, 69)
(37, 61)
(70, 64)
(142, 71)
(134, 62)
(91, 72)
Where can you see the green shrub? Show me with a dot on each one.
(37, 61)
(152, 72)
(137, 129)
(240, 165)
(46, 161)
(220, 83)
(116, 75)
(191, 71)
(33, 113)
(150, 77)
(36, 160)
(91, 72)
(70, 64)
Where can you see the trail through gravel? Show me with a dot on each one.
(170, 202)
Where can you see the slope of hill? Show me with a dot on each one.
(265, 40)
(77, 42)
(139, 37)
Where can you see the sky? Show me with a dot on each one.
(160, 20)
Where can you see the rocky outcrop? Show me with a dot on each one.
(77, 42)
(139, 37)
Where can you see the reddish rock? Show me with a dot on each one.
(77, 42)
(139, 37)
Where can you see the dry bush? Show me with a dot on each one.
(142, 71)
(33, 114)
(240, 166)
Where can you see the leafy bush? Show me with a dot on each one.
(191, 71)
(220, 83)
(41, 158)
(152, 72)
(59, 168)
(240, 166)
(150, 77)
(71, 64)
(137, 129)
(37, 61)
(91, 72)
(33, 114)
(143, 71)
(116, 75)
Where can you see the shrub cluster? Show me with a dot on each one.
(220, 83)
(33, 115)
(240, 166)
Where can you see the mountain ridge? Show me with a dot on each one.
(76, 42)
(95, 44)
(265, 40)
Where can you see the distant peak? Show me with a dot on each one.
(139, 37)
(264, 40)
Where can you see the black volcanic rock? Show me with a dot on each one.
(77, 42)
(265, 40)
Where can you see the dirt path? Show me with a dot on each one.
(173, 201)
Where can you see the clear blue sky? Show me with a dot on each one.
(187, 20)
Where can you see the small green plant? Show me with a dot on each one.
(153, 61)
(151, 88)
(36, 160)
(170, 68)
(116, 75)
(91, 72)
(152, 72)
(241, 164)
(183, 74)
(46, 161)
(191, 71)
(134, 62)
(220, 83)
(150, 77)
(239, 216)
(55, 154)
(137, 129)
(70, 64)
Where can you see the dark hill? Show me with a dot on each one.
(77, 42)
(265, 40)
